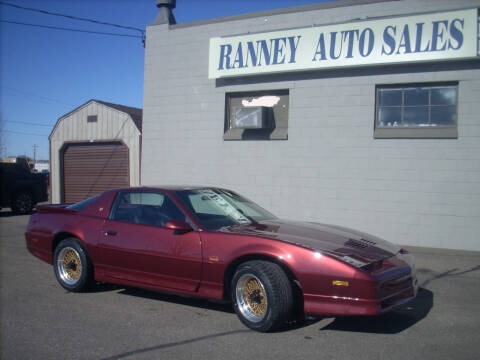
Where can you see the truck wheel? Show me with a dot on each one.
(23, 203)
(261, 295)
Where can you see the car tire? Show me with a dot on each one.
(261, 295)
(23, 203)
(72, 266)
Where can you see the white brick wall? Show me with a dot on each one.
(423, 192)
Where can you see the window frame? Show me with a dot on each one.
(415, 132)
(274, 133)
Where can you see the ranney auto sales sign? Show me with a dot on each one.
(437, 36)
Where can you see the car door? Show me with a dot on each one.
(136, 246)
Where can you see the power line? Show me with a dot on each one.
(23, 133)
(70, 29)
(142, 32)
(27, 123)
(73, 17)
(30, 94)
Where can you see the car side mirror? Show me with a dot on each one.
(179, 226)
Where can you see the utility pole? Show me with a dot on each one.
(35, 146)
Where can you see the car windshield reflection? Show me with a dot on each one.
(216, 208)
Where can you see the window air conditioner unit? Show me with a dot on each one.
(252, 117)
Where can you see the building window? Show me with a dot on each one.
(258, 115)
(416, 111)
(92, 118)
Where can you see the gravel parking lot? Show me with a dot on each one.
(40, 320)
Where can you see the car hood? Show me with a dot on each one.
(330, 239)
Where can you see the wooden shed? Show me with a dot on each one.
(93, 148)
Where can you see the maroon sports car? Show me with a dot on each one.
(214, 243)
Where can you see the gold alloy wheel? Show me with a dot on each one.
(69, 265)
(251, 298)
(255, 296)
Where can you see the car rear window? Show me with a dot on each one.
(83, 204)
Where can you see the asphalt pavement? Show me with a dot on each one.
(40, 320)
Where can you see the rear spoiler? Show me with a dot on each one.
(57, 208)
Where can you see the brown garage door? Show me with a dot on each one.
(89, 169)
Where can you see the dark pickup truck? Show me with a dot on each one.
(20, 189)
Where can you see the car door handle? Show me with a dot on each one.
(110, 232)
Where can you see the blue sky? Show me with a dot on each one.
(46, 73)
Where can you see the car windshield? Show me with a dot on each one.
(216, 208)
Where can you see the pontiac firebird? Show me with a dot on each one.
(214, 243)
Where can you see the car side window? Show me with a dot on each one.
(146, 208)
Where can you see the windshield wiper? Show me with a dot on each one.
(248, 217)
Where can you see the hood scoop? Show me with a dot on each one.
(359, 243)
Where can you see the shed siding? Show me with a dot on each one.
(111, 125)
(331, 169)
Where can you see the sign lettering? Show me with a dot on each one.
(439, 36)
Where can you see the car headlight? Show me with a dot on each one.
(353, 261)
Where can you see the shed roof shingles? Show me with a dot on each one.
(135, 113)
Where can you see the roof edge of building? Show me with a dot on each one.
(294, 9)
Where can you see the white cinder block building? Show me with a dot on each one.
(358, 113)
